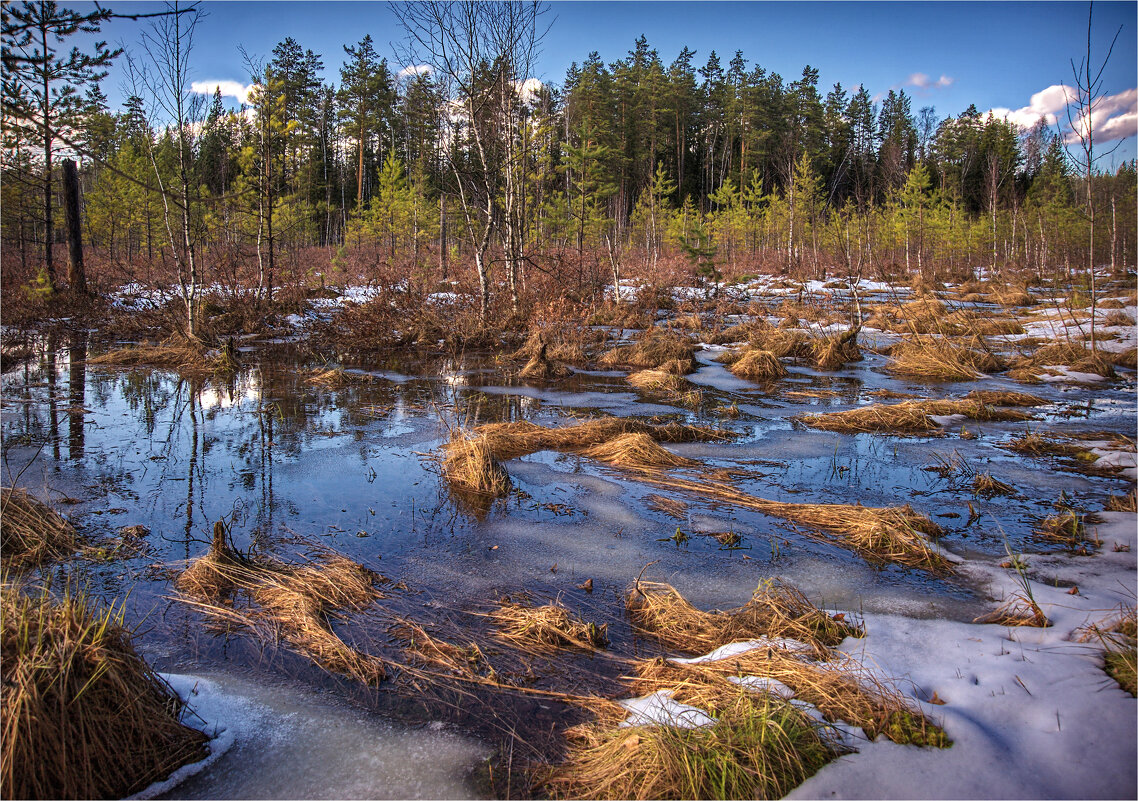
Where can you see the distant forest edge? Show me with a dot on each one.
(467, 170)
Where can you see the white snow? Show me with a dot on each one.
(204, 714)
(737, 648)
(659, 708)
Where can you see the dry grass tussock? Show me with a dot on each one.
(881, 534)
(832, 352)
(841, 690)
(775, 610)
(1119, 638)
(783, 343)
(659, 381)
(637, 451)
(757, 365)
(541, 367)
(186, 357)
(334, 377)
(31, 532)
(1020, 609)
(1075, 355)
(489, 444)
(759, 747)
(547, 628)
(915, 416)
(466, 662)
(83, 715)
(294, 602)
(1066, 529)
(1011, 296)
(1123, 503)
(653, 349)
(941, 359)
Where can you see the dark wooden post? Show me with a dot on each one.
(76, 277)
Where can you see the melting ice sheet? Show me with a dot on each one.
(291, 744)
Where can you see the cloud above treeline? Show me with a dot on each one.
(234, 89)
(922, 81)
(1115, 116)
(414, 69)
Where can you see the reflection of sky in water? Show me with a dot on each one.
(352, 468)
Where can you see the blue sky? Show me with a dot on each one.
(995, 55)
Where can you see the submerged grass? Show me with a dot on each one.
(31, 532)
(547, 628)
(295, 603)
(83, 715)
(887, 534)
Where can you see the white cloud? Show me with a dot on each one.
(528, 89)
(414, 69)
(925, 83)
(1115, 116)
(234, 89)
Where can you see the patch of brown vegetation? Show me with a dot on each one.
(776, 609)
(941, 359)
(293, 602)
(908, 417)
(654, 348)
(84, 715)
(637, 451)
(31, 532)
(757, 365)
(542, 629)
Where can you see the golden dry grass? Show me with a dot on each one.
(546, 628)
(1123, 503)
(888, 534)
(775, 610)
(173, 354)
(757, 365)
(637, 451)
(985, 485)
(758, 747)
(31, 532)
(1076, 355)
(463, 662)
(334, 377)
(293, 602)
(940, 359)
(1018, 610)
(908, 417)
(840, 690)
(659, 381)
(653, 349)
(782, 343)
(470, 465)
(832, 352)
(83, 715)
(1119, 639)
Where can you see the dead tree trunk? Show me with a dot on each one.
(76, 276)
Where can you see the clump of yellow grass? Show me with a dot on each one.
(470, 465)
(1075, 355)
(638, 451)
(940, 359)
(31, 532)
(841, 690)
(541, 367)
(653, 349)
(759, 746)
(83, 715)
(659, 380)
(887, 534)
(334, 377)
(832, 352)
(1018, 610)
(547, 628)
(295, 603)
(757, 365)
(782, 343)
(1119, 638)
(173, 354)
(910, 417)
(776, 609)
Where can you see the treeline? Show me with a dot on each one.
(378, 173)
